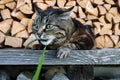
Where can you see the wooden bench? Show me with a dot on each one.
(85, 58)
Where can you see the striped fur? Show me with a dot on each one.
(59, 31)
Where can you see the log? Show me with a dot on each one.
(91, 17)
(61, 3)
(13, 42)
(20, 3)
(26, 9)
(31, 37)
(82, 3)
(17, 27)
(108, 42)
(116, 29)
(109, 17)
(5, 25)
(70, 3)
(50, 2)
(5, 13)
(23, 34)
(117, 45)
(73, 15)
(89, 8)
(42, 6)
(81, 13)
(2, 37)
(11, 5)
(97, 28)
(116, 19)
(106, 29)
(89, 23)
(102, 10)
(80, 20)
(100, 41)
(2, 6)
(17, 14)
(37, 1)
(110, 2)
(24, 21)
(114, 11)
(98, 2)
(107, 6)
(29, 28)
(114, 38)
(102, 19)
(5, 1)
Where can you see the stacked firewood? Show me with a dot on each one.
(17, 17)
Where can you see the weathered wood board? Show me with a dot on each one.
(77, 57)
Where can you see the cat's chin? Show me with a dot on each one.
(47, 42)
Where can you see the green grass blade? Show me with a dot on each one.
(39, 67)
(31, 42)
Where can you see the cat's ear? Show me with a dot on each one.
(66, 13)
(38, 11)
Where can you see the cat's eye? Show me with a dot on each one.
(49, 26)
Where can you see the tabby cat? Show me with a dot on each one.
(58, 30)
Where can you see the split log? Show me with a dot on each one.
(5, 13)
(115, 38)
(102, 19)
(108, 42)
(91, 17)
(116, 19)
(26, 9)
(23, 34)
(20, 3)
(29, 28)
(2, 37)
(42, 6)
(50, 2)
(31, 37)
(109, 17)
(98, 2)
(61, 3)
(13, 42)
(114, 11)
(5, 1)
(116, 29)
(102, 10)
(2, 6)
(24, 21)
(70, 3)
(117, 45)
(100, 41)
(97, 28)
(118, 2)
(107, 6)
(11, 5)
(17, 14)
(82, 3)
(106, 29)
(110, 2)
(81, 13)
(89, 23)
(89, 8)
(73, 15)
(80, 20)
(5, 25)
(37, 1)
(17, 27)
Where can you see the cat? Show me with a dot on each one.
(58, 30)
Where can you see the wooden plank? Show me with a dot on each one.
(77, 57)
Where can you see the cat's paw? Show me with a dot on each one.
(63, 52)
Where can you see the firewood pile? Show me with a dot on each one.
(17, 17)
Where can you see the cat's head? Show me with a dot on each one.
(53, 26)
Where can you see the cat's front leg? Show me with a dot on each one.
(65, 50)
